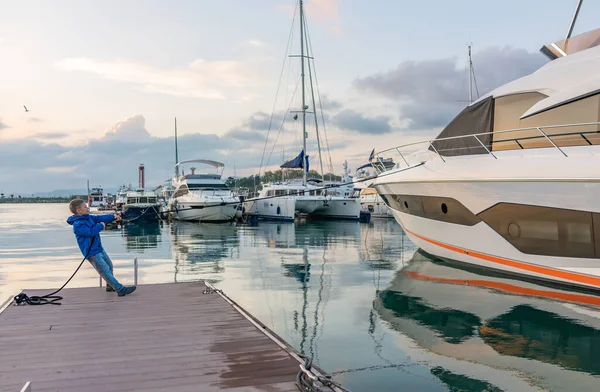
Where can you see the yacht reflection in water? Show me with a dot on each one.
(199, 249)
(306, 254)
(140, 236)
(495, 320)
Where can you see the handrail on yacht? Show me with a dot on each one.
(380, 167)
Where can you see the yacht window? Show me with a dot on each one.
(217, 186)
(545, 230)
(132, 200)
(312, 193)
(586, 110)
(152, 200)
(143, 200)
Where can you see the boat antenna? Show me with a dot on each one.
(472, 76)
(176, 152)
(574, 19)
(303, 93)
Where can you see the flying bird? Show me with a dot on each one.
(26, 110)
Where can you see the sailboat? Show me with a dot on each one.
(317, 199)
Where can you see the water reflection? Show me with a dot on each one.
(463, 313)
(199, 249)
(141, 236)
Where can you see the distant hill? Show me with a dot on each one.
(68, 192)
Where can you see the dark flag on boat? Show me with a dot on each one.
(297, 162)
(372, 155)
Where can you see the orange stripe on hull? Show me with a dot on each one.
(572, 276)
(578, 298)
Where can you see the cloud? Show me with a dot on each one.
(50, 135)
(132, 128)
(244, 135)
(255, 127)
(60, 169)
(326, 13)
(3, 125)
(255, 42)
(34, 119)
(200, 79)
(357, 122)
(329, 104)
(431, 92)
(112, 159)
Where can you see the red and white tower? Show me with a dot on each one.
(141, 176)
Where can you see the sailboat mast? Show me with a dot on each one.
(176, 152)
(303, 93)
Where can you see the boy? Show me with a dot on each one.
(87, 227)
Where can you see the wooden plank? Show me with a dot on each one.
(163, 337)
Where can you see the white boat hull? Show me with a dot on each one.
(338, 208)
(203, 211)
(276, 208)
(545, 182)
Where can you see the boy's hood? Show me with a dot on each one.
(74, 218)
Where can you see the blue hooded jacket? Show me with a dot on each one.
(87, 227)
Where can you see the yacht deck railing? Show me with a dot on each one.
(545, 133)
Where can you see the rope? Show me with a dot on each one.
(307, 381)
(140, 215)
(50, 298)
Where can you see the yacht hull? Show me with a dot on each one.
(338, 208)
(537, 224)
(277, 208)
(149, 213)
(204, 212)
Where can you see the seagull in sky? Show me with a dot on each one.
(26, 110)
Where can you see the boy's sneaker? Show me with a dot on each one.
(127, 290)
(109, 289)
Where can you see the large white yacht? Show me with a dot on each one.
(512, 183)
(202, 196)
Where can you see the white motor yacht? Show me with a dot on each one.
(512, 183)
(202, 196)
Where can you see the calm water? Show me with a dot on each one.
(358, 298)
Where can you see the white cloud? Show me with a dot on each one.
(60, 169)
(200, 79)
(322, 12)
(132, 128)
(326, 13)
(255, 42)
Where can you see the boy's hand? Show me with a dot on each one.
(103, 225)
(117, 217)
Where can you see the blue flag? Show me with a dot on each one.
(297, 162)
(372, 155)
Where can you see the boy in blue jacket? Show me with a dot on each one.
(87, 227)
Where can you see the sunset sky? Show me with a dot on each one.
(103, 81)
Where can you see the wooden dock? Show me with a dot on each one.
(164, 337)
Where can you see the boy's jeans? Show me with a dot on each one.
(103, 264)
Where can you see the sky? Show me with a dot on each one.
(104, 81)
